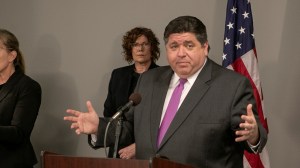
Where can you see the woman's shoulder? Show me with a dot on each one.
(124, 68)
(27, 82)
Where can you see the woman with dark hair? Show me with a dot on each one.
(141, 51)
(20, 99)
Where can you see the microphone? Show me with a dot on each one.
(134, 99)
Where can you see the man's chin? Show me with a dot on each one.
(183, 73)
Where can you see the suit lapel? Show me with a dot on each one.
(8, 86)
(195, 95)
(4, 91)
(160, 89)
(128, 77)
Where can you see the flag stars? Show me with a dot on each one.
(233, 10)
(224, 56)
(238, 45)
(230, 25)
(242, 30)
(226, 41)
(246, 15)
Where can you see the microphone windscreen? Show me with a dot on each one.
(135, 98)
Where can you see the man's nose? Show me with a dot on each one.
(181, 51)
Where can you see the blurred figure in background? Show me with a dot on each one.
(20, 99)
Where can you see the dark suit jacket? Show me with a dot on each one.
(122, 83)
(120, 87)
(202, 133)
(20, 99)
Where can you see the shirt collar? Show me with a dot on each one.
(191, 79)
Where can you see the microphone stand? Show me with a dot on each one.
(117, 135)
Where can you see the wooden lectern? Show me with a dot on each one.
(53, 160)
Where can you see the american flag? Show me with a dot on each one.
(239, 54)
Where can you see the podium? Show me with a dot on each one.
(53, 160)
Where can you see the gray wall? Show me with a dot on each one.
(71, 46)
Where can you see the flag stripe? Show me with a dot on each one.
(244, 67)
(253, 160)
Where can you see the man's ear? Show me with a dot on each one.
(206, 48)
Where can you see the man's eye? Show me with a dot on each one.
(174, 46)
(190, 46)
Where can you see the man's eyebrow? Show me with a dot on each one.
(174, 42)
(188, 41)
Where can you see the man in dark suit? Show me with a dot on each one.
(213, 124)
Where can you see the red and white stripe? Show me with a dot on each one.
(247, 65)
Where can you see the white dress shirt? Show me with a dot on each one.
(187, 86)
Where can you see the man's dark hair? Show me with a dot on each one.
(186, 24)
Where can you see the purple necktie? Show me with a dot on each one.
(171, 110)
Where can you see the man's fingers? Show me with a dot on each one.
(242, 132)
(249, 110)
(90, 106)
(247, 126)
(240, 139)
(73, 112)
(78, 131)
(74, 125)
(242, 135)
(121, 151)
(249, 117)
(70, 118)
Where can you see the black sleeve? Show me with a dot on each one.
(109, 104)
(126, 137)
